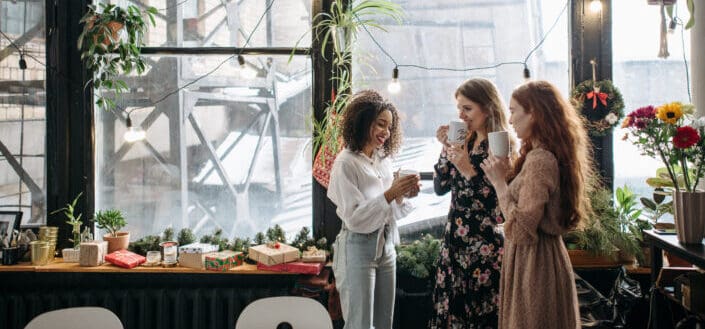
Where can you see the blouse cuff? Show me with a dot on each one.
(400, 211)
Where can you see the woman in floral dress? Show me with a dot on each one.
(466, 289)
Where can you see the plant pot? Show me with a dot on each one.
(583, 258)
(121, 241)
(689, 216)
(114, 27)
(71, 255)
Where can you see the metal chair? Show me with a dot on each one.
(278, 312)
(76, 318)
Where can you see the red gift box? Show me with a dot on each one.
(293, 267)
(124, 258)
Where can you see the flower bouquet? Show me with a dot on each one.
(670, 132)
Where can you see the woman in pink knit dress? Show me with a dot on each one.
(541, 198)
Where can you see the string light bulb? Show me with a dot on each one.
(23, 63)
(596, 6)
(394, 86)
(672, 26)
(527, 73)
(246, 71)
(133, 134)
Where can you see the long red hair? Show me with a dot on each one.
(558, 128)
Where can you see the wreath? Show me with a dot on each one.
(600, 104)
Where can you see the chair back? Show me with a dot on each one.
(299, 312)
(76, 318)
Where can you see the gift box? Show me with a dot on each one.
(273, 254)
(92, 253)
(195, 260)
(223, 261)
(293, 267)
(124, 258)
(313, 255)
(201, 248)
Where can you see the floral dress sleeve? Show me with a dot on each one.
(442, 174)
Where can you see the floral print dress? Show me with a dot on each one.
(466, 293)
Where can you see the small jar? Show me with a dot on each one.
(154, 257)
(170, 251)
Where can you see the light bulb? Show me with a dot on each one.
(133, 134)
(527, 74)
(394, 86)
(246, 71)
(595, 6)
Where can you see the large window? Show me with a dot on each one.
(457, 34)
(22, 110)
(221, 151)
(645, 79)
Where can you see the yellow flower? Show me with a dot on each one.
(670, 113)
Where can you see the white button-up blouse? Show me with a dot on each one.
(357, 185)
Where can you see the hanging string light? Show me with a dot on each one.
(394, 86)
(527, 73)
(596, 6)
(133, 134)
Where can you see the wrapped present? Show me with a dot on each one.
(293, 267)
(273, 253)
(313, 255)
(93, 253)
(223, 261)
(201, 248)
(125, 258)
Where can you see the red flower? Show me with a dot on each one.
(685, 137)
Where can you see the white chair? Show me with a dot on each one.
(76, 318)
(299, 312)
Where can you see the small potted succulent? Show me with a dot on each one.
(112, 221)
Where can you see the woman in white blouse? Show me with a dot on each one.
(369, 200)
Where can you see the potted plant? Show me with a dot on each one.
(70, 255)
(110, 45)
(340, 27)
(416, 264)
(112, 221)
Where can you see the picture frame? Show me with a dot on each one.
(9, 221)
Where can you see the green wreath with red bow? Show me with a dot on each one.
(600, 104)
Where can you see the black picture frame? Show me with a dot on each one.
(13, 220)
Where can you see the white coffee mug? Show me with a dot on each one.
(457, 130)
(499, 143)
(407, 172)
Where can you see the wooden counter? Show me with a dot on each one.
(59, 266)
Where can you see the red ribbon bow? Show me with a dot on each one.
(601, 96)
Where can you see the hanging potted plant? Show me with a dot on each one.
(340, 27)
(110, 45)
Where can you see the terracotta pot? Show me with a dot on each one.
(689, 216)
(121, 241)
(114, 27)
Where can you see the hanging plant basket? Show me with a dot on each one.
(600, 104)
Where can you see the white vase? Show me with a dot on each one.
(689, 216)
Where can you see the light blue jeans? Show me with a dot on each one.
(366, 285)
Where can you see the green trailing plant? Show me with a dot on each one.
(111, 44)
(597, 231)
(73, 220)
(418, 259)
(340, 27)
(110, 220)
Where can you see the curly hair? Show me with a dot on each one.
(359, 115)
(558, 128)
